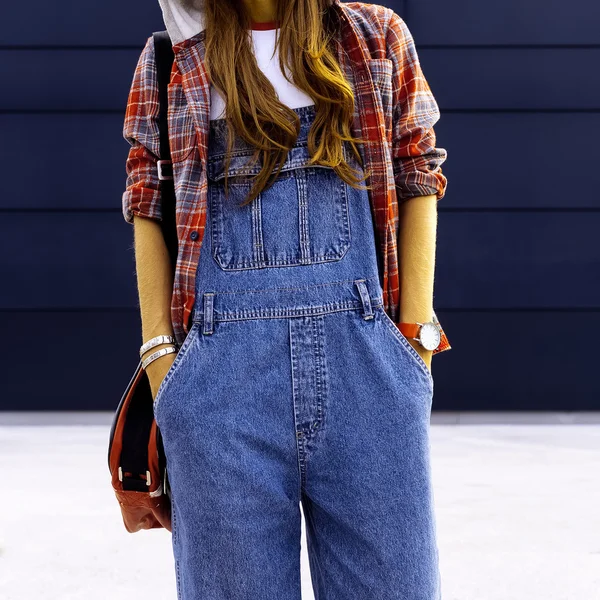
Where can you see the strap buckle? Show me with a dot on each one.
(147, 481)
(161, 164)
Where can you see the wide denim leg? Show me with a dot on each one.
(231, 455)
(367, 495)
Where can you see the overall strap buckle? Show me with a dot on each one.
(208, 304)
(367, 307)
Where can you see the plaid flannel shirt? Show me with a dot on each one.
(394, 107)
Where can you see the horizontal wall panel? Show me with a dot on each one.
(460, 79)
(67, 22)
(513, 78)
(507, 22)
(518, 260)
(513, 360)
(484, 260)
(69, 80)
(67, 260)
(498, 361)
(58, 161)
(68, 360)
(519, 160)
(473, 22)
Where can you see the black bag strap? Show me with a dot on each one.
(164, 62)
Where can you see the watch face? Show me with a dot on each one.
(430, 336)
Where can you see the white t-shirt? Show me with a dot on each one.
(263, 39)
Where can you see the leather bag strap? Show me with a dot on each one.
(164, 63)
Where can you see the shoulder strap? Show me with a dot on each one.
(164, 62)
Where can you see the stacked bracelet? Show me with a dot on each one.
(158, 354)
(156, 341)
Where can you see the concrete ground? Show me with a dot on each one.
(517, 496)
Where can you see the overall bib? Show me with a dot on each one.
(294, 386)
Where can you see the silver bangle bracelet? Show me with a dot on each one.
(158, 354)
(156, 341)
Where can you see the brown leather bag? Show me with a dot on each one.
(137, 461)
(136, 458)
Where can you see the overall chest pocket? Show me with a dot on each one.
(301, 219)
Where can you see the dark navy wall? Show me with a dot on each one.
(518, 269)
(518, 259)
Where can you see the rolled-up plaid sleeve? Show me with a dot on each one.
(141, 130)
(417, 162)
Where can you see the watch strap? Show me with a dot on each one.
(409, 330)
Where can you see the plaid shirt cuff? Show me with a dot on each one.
(422, 176)
(143, 202)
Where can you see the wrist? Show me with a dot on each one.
(413, 316)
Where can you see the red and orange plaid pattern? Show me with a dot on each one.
(395, 109)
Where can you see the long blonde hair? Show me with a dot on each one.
(307, 33)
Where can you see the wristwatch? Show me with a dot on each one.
(427, 334)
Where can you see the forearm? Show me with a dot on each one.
(154, 278)
(417, 245)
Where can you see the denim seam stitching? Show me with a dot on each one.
(300, 443)
(174, 365)
(319, 368)
(279, 313)
(247, 265)
(303, 218)
(258, 242)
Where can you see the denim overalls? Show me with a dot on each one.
(294, 386)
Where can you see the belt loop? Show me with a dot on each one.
(209, 299)
(365, 298)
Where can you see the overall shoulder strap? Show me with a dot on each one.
(164, 62)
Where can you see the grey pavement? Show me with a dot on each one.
(517, 500)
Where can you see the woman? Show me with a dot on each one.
(288, 382)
